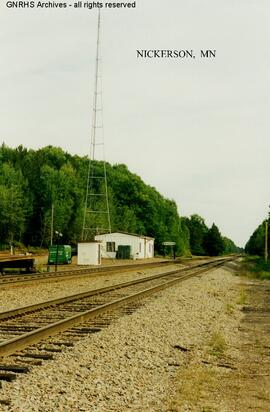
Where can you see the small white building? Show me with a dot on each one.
(142, 247)
(89, 253)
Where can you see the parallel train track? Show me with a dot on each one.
(78, 272)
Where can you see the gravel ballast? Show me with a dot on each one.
(134, 363)
(19, 295)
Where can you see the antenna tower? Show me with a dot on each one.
(96, 218)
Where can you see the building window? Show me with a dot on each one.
(110, 246)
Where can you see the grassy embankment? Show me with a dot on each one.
(256, 267)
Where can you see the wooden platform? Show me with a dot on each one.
(20, 262)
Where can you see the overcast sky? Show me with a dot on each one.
(196, 129)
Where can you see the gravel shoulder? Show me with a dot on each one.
(181, 350)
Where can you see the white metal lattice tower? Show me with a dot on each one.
(96, 218)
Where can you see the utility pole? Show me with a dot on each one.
(266, 238)
(266, 241)
(59, 235)
(52, 224)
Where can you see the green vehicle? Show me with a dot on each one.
(64, 255)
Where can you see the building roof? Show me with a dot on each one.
(126, 233)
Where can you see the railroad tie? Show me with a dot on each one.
(43, 356)
(54, 350)
(8, 377)
(5, 402)
(14, 368)
(67, 344)
(28, 361)
(85, 330)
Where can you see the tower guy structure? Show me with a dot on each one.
(96, 218)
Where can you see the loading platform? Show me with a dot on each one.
(19, 262)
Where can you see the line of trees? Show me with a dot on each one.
(31, 181)
(256, 242)
(207, 241)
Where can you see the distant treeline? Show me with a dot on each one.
(31, 181)
(256, 242)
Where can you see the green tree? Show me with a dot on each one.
(12, 207)
(213, 242)
(197, 231)
(255, 244)
(229, 246)
(31, 181)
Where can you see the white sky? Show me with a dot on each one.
(197, 130)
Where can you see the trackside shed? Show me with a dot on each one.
(141, 247)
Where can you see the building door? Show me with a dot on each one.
(99, 254)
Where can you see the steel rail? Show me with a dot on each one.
(71, 298)
(18, 343)
(81, 272)
(66, 274)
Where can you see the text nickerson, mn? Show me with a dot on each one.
(174, 54)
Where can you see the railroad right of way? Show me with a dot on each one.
(127, 367)
(25, 327)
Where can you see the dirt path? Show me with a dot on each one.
(231, 372)
(249, 385)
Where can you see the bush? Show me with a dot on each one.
(257, 267)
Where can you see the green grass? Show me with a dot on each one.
(255, 266)
(242, 298)
(230, 309)
(217, 344)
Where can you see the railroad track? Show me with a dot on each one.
(67, 274)
(35, 333)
